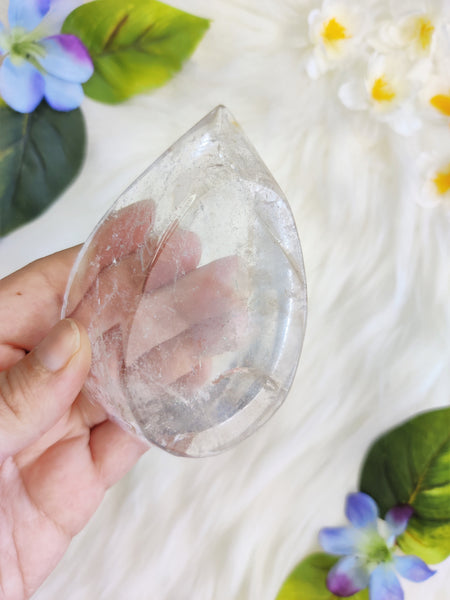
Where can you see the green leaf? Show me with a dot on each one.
(308, 581)
(40, 154)
(411, 465)
(136, 45)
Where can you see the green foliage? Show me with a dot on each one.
(136, 45)
(40, 154)
(308, 581)
(411, 465)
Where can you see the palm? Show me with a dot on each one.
(48, 493)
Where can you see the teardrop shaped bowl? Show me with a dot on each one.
(193, 292)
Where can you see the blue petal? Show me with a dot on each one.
(62, 95)
(384, 584)
(347, 577)
(27, 13)
(59, 10)
(2, 28)
(339, 540)
(412, 568)
(397, 519)
(361, 510)
(67, 58)
(21, 86)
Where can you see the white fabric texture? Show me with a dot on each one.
(376, 350)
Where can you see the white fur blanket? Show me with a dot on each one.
(377, 344)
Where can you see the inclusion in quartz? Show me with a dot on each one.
(193, 292)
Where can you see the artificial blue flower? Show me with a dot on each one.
(368, 557)
(35, 65)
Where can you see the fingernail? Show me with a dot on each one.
(55, 351)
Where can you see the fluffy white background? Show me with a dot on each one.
(377, 344)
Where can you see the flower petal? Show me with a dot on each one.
(347, 577)
(361, 510)
(27, 13)
(315, 18)
(397, 519)
(57, 14)
(338, 540)
(67, 58)
(2, 38)
(62, 95)
(21, 86)
(412, 568)
(384, 584)
(403, 120)
(353, 95)
(312, 68)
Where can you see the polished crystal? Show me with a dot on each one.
(193, 293)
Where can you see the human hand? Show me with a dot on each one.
(58, 452)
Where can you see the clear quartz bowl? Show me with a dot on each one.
(193, 293)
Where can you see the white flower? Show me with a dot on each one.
(436, 188)
(414, 33)
(435, 97)
(385, 92)
(335, 31)
(417, 31)
(441, 180)
(434, 168)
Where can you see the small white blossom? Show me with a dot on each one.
(415, 33)
(385, 92)
(335, 32)
(419, 32)
(435, 98)
(434, 167)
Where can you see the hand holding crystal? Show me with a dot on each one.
(190, 346)
(59, 451)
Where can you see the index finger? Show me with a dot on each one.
(30, 303)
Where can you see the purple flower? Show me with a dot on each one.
(35, 65)
(368, 557)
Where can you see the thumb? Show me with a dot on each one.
(37, 391)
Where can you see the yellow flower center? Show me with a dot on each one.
(424, 32)
(442, 103)
(382, 91)
(442, 181)
(333, 32)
